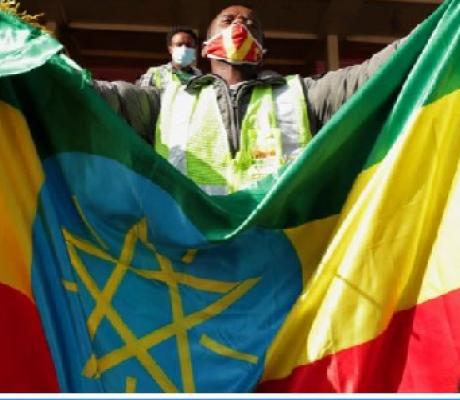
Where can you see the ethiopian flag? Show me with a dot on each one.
(339, 274)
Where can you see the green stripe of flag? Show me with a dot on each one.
(66, 115)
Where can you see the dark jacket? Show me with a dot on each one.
(325, 95)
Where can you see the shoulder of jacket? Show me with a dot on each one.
(159, 68)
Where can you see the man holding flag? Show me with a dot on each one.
(231, 128)
(339, 273)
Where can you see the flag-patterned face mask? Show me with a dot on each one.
(235, 45)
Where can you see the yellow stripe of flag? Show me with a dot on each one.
(21, 176)
(394, 245)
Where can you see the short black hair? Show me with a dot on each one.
(180, 29)
(249, 6)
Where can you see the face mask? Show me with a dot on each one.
(235, 45)
(183, 56)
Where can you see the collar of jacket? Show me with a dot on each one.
(263, 78)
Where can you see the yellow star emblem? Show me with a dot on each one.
(138, 347)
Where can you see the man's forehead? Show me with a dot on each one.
(233, 10)
(182, 36)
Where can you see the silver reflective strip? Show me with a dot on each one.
(215, 190)
(289, 120)
(178, 126)
(177, 137)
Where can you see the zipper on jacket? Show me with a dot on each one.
(236, 102)
(237, 125)
(233, 139)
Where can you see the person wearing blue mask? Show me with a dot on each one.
(182, 43)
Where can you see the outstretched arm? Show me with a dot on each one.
(140, 106)
(328, 93)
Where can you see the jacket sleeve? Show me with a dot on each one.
(325, 95)
(139, 106)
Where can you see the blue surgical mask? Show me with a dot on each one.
(184, 56)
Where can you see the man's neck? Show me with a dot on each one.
(233, 74)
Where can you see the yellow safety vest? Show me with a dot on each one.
(163, 75)
(191, 134)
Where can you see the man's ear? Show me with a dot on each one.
(170, 49)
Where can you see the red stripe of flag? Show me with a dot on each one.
(418, 352)
(26, 364)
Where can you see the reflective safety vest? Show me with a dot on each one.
(163, 75)
(191, 134)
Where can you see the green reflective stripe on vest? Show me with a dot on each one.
(207, 151)
(198, 145)
(162, 76)
(191, 134)
(261, 145)
(171, 105)
(303, 125)
(157, 78)
(155, 73)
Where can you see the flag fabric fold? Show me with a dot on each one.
(338, 274)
